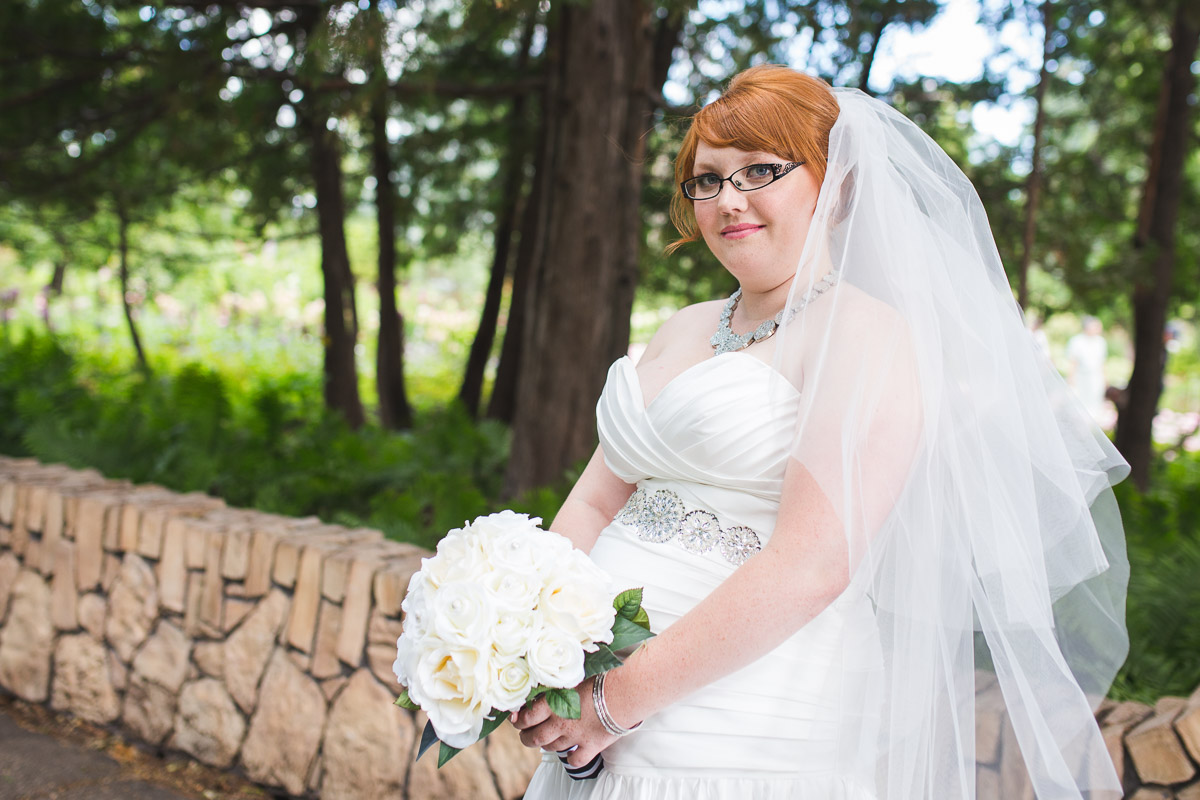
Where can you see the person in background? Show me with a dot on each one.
(1086, 353)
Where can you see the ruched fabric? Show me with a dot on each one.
(770, 730)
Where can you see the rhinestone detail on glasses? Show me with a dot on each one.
(661, 516)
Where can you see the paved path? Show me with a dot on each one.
(34, 766)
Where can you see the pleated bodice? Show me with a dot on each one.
(719, 436)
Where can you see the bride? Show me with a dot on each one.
(875, 530)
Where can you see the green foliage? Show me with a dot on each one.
(266, 444)
(629, 605)
(1162, 530)
(601, 660)
(564, 703)
(404, 701)
(627, 633)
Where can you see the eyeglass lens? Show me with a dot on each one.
(747, 179)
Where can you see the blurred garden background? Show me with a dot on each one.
(370, 260)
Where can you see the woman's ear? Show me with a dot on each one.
(846, 193)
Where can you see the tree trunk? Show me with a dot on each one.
(395, 412)
(581, 291)
(55, 286)
(1033, 184)
(864, 80)
(503, 403)
(123, 271)
(1154, 244)
(341, 328)
(481, 346)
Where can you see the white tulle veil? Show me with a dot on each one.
(974, 489)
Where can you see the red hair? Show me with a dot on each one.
(769, 108)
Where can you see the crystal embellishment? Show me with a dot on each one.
(661, 516)
(738, 544)
(699, 531)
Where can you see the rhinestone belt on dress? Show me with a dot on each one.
(661, 516)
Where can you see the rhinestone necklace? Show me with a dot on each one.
(726, 341)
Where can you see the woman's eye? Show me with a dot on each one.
(706, 181)
(759, 171)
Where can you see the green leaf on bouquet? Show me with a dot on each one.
(629, 606)
(602, 660)
(428, 737)
(491, 723)
(446, 753)
(535, 693)
(564, 702)
(404, 701)
(627, 633)
(628, 602)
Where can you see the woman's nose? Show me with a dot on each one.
(730, 200)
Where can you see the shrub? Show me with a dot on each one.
(268, 445)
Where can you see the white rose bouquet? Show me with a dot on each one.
(503, 613)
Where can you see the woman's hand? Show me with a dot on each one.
(541, 727)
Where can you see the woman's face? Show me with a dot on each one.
(759, 235)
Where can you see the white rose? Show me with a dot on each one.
(514, 591)
(511, 631)
(510, 684)
(416, 605)
(555, 659)
(525, 551)
(408, 653)
(506, 520)
(454, 686)
(462, 613)
(459, 557)
(578, 605)
(487, 529)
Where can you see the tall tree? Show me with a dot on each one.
(1154, 241)
(341, 315)
(394, 409)
(596, 114)
(515, 167)
(120, 140)
(1033, 183)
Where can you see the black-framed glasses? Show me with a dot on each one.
(746, 179)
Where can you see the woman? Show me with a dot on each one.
(876, 533)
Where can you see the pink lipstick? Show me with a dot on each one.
(739, 231)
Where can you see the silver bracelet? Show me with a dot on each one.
(602, 713)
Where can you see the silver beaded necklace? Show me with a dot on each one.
(726, 341)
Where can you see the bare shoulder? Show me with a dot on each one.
(870, 319)
(685, 325)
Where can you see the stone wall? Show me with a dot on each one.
(265, 644)
(1156, 749)
(247, 640)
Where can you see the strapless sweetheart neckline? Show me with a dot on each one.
(690, 371)
(718, 436)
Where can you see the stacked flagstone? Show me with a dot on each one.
(1155, 750)
(248, 640)
(265, 643)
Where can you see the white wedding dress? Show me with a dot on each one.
(799, 722)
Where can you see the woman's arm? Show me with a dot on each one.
(804, 566)
(593, 502)
(801, 570)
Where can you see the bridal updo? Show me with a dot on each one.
(769, 108)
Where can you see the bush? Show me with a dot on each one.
(269, 445)
(1163, 612)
